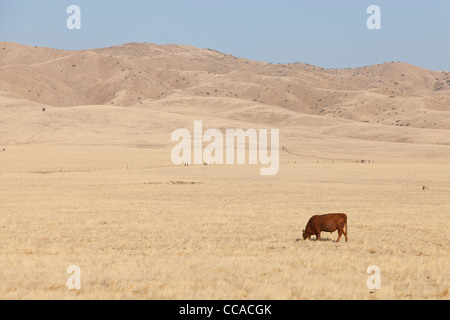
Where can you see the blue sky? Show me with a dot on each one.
(327, 33)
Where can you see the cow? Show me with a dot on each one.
(326, 223)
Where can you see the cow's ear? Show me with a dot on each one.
(303, 230)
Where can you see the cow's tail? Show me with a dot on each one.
(345, 225)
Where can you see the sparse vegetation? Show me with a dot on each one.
(155, 230)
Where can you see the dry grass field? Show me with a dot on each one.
(158, 231)
(224, 233)
(92, 184)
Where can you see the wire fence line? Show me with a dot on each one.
(124, 166)
(79, 169)
(314, 159)
(147, 167)
(327, 161)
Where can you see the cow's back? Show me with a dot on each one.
(332, 221)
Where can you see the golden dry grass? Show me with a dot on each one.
(225, 232)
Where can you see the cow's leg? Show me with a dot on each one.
(318, 235)
(340, 234)
(345, 233)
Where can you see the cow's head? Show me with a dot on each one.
(305, 235)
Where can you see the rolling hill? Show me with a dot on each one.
(140, 74)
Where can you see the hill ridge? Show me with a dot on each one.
(139, 74)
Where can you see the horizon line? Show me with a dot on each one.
(211, 49)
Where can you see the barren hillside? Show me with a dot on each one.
(140, 74)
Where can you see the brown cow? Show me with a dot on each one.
(326, 223)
